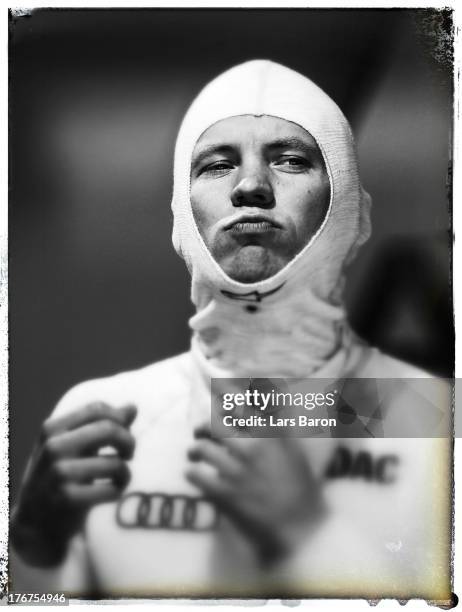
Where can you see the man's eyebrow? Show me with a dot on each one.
(293, 143)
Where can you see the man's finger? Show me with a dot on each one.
(86, 469)
(203, 431)
(217, 456)
(90, 413)
(89, 494)
(242, 448)
(88, 439)
(212, 486)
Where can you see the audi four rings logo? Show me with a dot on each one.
(163, 511)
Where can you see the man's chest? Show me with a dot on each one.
(163, 537)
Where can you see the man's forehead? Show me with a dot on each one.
(264, 130)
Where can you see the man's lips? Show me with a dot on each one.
(252, 224)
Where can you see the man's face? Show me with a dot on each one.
(259, 191)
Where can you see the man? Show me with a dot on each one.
(268, 211)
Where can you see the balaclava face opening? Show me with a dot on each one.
(291, 323)
(299, 205)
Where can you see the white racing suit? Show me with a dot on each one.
(385, 532)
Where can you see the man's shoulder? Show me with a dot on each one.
(165, 379)
(377, 364)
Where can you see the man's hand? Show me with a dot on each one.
(66, 476)
(265, 486)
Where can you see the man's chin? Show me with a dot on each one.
(252, 264)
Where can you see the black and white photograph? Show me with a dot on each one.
(231, 325)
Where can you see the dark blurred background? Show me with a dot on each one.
(96, 98)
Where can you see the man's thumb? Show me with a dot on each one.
(129, 413)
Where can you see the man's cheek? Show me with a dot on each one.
(208, 211)
(201, 217)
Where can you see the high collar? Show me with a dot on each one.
(282, 331)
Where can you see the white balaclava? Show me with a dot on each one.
(293, 323)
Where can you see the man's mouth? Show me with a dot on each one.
(252, 224)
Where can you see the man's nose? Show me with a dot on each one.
(253, 189)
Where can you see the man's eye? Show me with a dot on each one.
(218, 167)
(293, 161)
